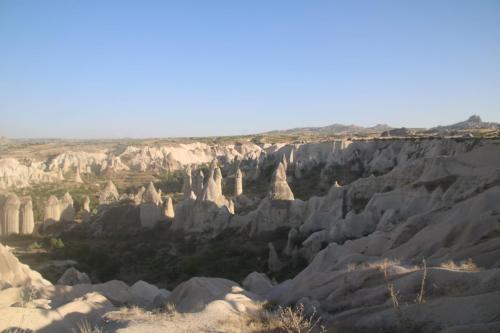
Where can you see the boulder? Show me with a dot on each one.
(72, 276)
(257, 283)
(198, 292)
(148, 295)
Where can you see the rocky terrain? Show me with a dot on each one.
(386, 234)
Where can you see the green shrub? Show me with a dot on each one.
(56, 243)
(35, 246)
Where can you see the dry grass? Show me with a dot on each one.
(28, 295)
(136, 313)
(466, 266)
(86, 327)
(351, 267)
(284, 320)
(405, 324)
(383, 265)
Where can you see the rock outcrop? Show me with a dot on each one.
(258, 283)
(52, 211)
(86, 209)
(195, 294)
(138, 197)
(198, 182)
(26, 218)
(67, 210)
(168, 208)
(78, 178)
(150, 209)
(10, 215)
(213, 189)
(15, 274)
(109, 194)
(210, 212)
(72, 277)
(146, 294)
(273, 262)
(187, 186)
(279, 187)
(379, 229)
(238, 183)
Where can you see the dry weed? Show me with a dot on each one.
(86, 327)
(466, 266)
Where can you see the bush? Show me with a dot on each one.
(56, 243)
(35, 246)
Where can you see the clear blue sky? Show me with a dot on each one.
(194, 68)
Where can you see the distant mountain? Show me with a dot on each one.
(473, 123)
(334, 129)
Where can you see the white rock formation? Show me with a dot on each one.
(258, 283)
(290, 244)
(109, 194)
(279, 187)
(198, 182)
(15, 274)
(274, 263)
(78, 177)
(26, 219)
(139, 195)
(150, 209)
(168, 208)
(198, 292)
(14, 174)
(52, 211)
(67, 210)
(388, 224)
(238, 183)
(10, 215)
(187, 186)
(86, 209)
(151, 195)
(213, 190)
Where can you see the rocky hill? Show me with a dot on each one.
(334, 129)
(386, 234)
(473, 123)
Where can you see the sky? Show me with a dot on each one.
(112, 69)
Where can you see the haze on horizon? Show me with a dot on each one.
(113, 69)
